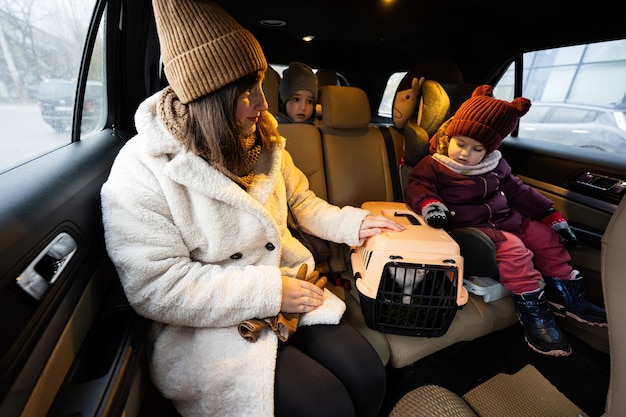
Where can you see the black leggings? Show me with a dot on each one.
(329, 371)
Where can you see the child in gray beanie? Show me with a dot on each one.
(298, 95)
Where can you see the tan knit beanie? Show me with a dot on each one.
(486, 119)
(203, 48)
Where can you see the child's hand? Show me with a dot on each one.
(555, 220)
(565, 233)
(436, 215)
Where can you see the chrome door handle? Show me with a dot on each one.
(45, 269)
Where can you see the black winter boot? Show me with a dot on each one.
(540, 329)
(566, 297)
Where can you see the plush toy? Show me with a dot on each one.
(406, 100)
(433, 107)
(406, 103)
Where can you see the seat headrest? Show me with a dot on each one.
(271, 82)
(326, 77)
(345, 107)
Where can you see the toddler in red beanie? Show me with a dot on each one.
(466, 182)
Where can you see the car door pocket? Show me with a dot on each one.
(45, 269)
(602, 182)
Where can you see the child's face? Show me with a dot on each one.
(465, 150)
(300, 106)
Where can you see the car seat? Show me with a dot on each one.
(325, 76)
(614, 288)
(432, 109)
(355, 155)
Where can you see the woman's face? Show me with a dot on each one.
(300, 106)
(465, 150)
(250, 104)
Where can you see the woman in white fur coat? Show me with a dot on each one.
(195, 213)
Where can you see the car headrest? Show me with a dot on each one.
(326, 77)
(345, 107)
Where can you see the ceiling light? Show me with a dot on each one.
(273, 23)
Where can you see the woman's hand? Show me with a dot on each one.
(375, 225)
(300, 296)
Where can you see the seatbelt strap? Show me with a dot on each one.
(393, 165)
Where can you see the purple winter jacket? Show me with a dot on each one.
(496, 200)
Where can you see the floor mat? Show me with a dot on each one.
(431, 401)
(524, 393)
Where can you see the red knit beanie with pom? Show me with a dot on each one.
(486, 119)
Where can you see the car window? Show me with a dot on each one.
(577, 93)
(386, 103)
(42, 45)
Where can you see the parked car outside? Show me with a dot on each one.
(56, 104)
(584, 126)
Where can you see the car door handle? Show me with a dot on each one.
(602, 182)
(45, 269)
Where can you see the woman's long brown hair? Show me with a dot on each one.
(213, 132)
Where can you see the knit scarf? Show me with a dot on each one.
(252, 146)
(174, 114)
(488, 163)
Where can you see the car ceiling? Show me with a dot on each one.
(393, 35)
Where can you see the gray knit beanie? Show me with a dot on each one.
(296, 77)
(203, 47)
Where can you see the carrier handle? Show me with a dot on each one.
(411, 218)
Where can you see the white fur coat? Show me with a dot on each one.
(197, 255)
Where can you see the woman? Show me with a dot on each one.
(195, 212)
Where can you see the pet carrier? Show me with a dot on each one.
(410, 282)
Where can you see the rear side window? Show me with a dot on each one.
(578, 96)
(42, 48)
(386, 103)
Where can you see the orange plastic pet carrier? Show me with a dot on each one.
(410, 282)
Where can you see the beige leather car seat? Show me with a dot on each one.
(614, 288)
(304, 143)
(355, 156)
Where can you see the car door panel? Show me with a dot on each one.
(109, 364)
(45, 331)
(554, 171)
